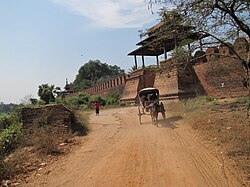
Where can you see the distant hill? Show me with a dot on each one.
(4, 108)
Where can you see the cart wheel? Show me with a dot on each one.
(163, 111)
(139, 114)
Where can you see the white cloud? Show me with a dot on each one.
(111, 13)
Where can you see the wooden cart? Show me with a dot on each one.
(149, 104)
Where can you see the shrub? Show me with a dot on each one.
(9, 137)
(193, 104)
(98, 98)
(242, 99)
(209, 98)
(80, 123)
(3, 169)
(76, 102)
(82, 99)
(113, 99)
(11, 131)
(5, 121)
(41, 102)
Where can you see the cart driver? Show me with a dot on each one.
(144, 99)
(153, 97)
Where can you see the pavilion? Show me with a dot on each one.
(158, 43)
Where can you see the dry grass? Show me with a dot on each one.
(224, 124)
(40, 143)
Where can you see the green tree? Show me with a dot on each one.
(45, 92)
(133, 68)
(95, 72)
(214, 16)
(4, 108)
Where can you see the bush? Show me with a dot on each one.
(41, 102)
(99, 99)
(82, 99)
(3, 169)
(11, 131)
(83, 102)
(193, 104)
(76, 102)
(5, 121)
(9, 137)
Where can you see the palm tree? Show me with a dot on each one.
(45, 92)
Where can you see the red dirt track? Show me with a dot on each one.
(119, 152)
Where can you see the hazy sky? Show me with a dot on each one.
(47, 41)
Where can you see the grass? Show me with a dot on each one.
(224, 123)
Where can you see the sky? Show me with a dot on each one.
(47, 41)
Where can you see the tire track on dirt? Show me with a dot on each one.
(119, 152)
(211, 175)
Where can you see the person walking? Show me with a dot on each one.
(97, 105)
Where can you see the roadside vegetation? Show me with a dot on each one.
(83, 101)
(22, 152)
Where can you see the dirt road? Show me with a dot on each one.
(120, 152)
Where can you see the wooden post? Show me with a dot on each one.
(157, 60)
(143, 63)
(135, 62)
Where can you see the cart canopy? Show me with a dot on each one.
(148, 90)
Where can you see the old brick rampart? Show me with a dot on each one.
(105, 87)
(137, 80)
(167, 83)
(216, 72)
(221, 75)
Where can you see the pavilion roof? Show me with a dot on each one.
(154, 44)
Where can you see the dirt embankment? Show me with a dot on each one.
(120, 152)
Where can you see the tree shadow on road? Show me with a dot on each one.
(169, 122)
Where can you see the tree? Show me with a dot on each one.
(133, 68)
(45, 92)
(27, 99)
(95, 72)
(5, 108)
(215, 16)
(223, 20)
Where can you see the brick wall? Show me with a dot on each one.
(138, 79)
(167, 82)
(221, 78)
(214, 73)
